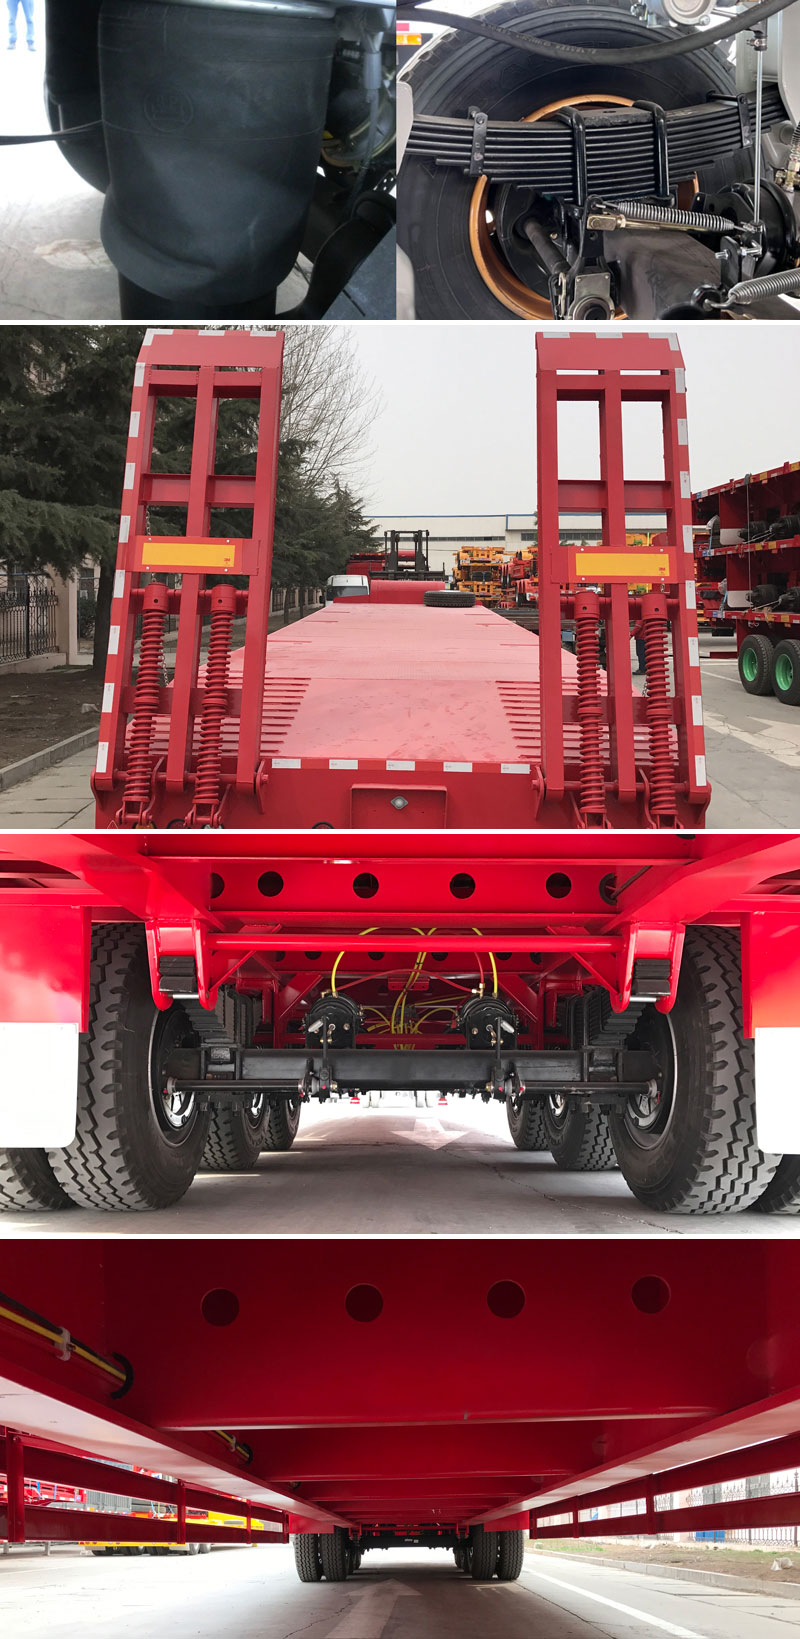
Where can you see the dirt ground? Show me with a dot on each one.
(38, 709)
(748, 1562)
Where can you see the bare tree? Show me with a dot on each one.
(328, 402)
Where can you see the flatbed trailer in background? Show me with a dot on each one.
(403, 709)
(758, 541)
(630, 999)
(401, 1393)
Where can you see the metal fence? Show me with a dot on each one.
(27, 617)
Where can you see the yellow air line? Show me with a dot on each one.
(491, 959)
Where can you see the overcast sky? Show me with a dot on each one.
(457, 432)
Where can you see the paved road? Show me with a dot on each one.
(253, 1593)
(752, 745)
(397, 1170)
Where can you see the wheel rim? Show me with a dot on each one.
(254, 1110)
(648, 1116)
(558, 1106)
(176, 1113)
(784, 673)
(486, 254)
(749, 665)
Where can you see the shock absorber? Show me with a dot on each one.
(205, 809)
(659, 709)
(592, 795)
(137, 791)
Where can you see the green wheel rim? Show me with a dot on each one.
(749, 665)
(784, 673)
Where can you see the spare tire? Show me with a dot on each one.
(449, 600)
(459, 71)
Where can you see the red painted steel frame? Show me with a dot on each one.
(384, 711)
(615, 372)
(752, 563)
(270, 913)
(467, 1398)
(130, 780)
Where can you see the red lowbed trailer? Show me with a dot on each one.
(401, 1392)
(404, 709)
(759, 542)
(630, 999)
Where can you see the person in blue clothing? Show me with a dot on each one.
(27, 12)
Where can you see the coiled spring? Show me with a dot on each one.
(771, 284)
(215, 702)
(138, 773)
(659, 718)
(638, 210)
(592, 796)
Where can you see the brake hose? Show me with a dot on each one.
(53, 136)
(676, 45)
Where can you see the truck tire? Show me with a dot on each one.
(786, 671)
(483, 1553)
(694, 1149)
(578, 1140)
(449, 600)
(782, 1193)
(510, 1555)
(353, 1559)
(307, 1561)
(459, 71)
(134, 1148)
(526, 1123)
(282, 1122)
(335, 1551)
(755, 664)
(29, 1184)
(459, 1555)
(236, 1134)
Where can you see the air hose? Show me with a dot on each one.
(674, 45)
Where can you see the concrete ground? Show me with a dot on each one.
(752, 747)
(451, 1169)
(52, 262)
(403, 1594)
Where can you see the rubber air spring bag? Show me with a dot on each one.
(213, 123)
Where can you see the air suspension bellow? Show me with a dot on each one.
(213, 117)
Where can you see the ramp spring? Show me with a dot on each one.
(205, 809)
(659, 719)
(138, 774)
(592, 797)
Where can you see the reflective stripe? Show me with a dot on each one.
(119, 583)
(133, 429)
(697, 710)
(102, 757)
(396, 768)
(124, 529)
(286, 762)
(343, 762)
(515, 768)
(108, 697)
(129, 472)
(700, 771)
(457, 768)
(113, 640)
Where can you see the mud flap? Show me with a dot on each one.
(39, 1086)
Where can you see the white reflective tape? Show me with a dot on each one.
(674, 343)
(149, 334)
(130, 469)
(138, 376)
(398, 768)
(680, 381)
(39, 1087)
(343, 762)
(119, 583)
(609, 335)
(286, 762)
(688, 540)
(694, 651)
(515, 768)
(697, 710)
(683, 431)
(133, 429)
(124, 529)
(777, 1104)
(555, 335)
(457, 768)
(214, 333)
(701, 778)
(691, 595)
(113, 640)
(102, 757)
(686, 486)
(108, 697)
